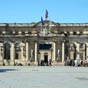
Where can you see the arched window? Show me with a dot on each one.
(17, 49)
(7, 51)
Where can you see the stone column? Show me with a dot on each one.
(27, 51)
(21, 52)
(84, 51)
(54, 51)
(87, 51)
(63, 52)
(1, 54)
(12, 54)
(71, 52)
(77, 49)
(36, 52)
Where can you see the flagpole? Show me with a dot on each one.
(46, 16)
(42, 24)
(41, 28)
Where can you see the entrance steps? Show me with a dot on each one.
(57, 64)
(33, 64)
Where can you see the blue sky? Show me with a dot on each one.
(27, 11)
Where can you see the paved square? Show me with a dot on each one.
(43, 77)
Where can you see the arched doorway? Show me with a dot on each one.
(7, 51)
(46, 58)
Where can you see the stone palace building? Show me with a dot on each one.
(21, 43)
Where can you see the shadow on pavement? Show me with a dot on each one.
(6, 70)
(82, 78)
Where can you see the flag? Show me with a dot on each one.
(42, 22)
(46, 15)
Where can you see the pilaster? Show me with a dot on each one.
(87, 50)
(12, 54)
(54, 51)
(27, 51)
(1, 54)
(36, 52)
(77, 49)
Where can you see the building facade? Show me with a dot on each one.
(23, 43)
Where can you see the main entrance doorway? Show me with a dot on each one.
(45, 50)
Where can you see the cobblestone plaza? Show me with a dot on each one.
(43, 77)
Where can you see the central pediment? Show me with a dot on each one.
(47, 23)
(46, 28)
